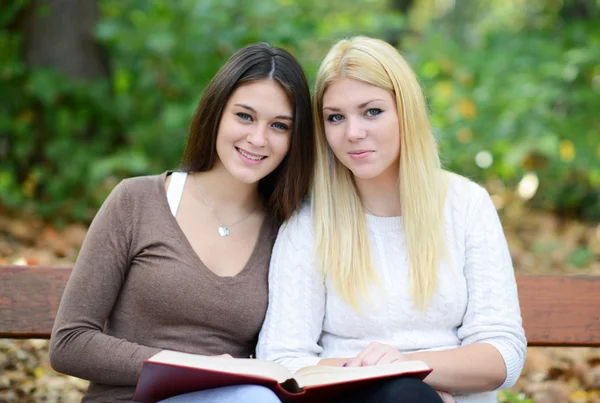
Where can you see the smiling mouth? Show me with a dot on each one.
(252, 157)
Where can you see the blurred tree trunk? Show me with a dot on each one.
(395, 37)
(403, 6)
(59, 34)
(578, 10)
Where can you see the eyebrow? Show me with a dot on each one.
(251, 109)
(359, 106)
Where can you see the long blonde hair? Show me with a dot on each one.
(341, 236)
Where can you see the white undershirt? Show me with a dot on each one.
(175, 190)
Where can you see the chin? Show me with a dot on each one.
(364, 174)
(249, 177)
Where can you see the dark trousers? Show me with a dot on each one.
(399, 390)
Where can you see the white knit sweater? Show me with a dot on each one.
(476, 300)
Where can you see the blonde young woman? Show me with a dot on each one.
(410, 261)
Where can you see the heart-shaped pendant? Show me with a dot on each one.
(223, 231)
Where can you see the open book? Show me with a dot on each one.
(170, 373)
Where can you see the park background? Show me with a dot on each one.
(96, 91)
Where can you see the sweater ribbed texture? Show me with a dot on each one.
(476, 300)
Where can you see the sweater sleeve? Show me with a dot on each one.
(78, 346)
(493, 315)
(294, 319)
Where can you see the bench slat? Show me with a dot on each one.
(29, 298)
(560, 310)
(557, 310)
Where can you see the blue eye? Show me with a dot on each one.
(244, 116)
(336, 117)
(373, 112)
(280, 126)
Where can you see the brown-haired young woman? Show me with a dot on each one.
(179, 261)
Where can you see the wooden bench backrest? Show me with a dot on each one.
(560, 310)
(557, 310)
(29, 298)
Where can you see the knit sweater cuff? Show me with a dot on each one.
(485, 397)
(295, 364)
(512, 361)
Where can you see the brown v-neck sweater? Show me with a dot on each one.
(138, 287)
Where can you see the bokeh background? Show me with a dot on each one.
(95, 91)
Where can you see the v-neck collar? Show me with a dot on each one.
(187, 246)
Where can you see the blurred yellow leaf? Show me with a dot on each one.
(466, 79)
(567, 151)
(38, 372)
(29, 186)
(446, 65)
(464, 135)
(467, 109)
(26, 116)
(444, 90)
(534, 160)
(579, 396)
(430, 69)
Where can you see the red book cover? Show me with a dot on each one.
(161, 380)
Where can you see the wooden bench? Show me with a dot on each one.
(557, 310)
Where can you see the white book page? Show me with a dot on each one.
(321, 375)
(247, 366)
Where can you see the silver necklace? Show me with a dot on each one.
(223, 229)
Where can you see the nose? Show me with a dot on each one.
(354, 130)
(258, 136)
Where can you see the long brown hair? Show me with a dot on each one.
(284, 188)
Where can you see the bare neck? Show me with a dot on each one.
(380, 196)
(224, 192)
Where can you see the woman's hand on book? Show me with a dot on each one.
(377, 354)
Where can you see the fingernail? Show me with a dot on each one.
(344, 364)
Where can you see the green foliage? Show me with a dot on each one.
(512, 91)
(508, 397)
(581, 256)
(65, 143)
(529, 99)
